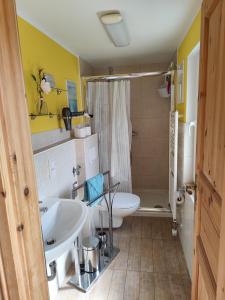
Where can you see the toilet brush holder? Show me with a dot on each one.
(102, 236)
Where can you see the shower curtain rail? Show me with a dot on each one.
(125, 76)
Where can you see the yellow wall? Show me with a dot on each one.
(189, 42)
(39, 51)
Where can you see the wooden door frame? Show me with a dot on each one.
(207, 8)
(22, 265)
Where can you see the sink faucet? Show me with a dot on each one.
(42, 209)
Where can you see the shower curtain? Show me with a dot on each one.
(109, 102)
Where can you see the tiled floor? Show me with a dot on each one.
(150, 265)
(153, 198)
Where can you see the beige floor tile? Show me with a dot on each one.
(69, 294)
(146, 247)
(146, 255)
(132, 286)
(117, 286)
(179, 287)
(125, 229)
(156, 229)
(135, 246)
(136, 227)
(124, 243)
(147, 264)
(120, 262)
(159, 258)
(100, 290)
(161, 229)
(162, 287)
(147, 286)
(150, 265)
(134, 263)
(167, 229)
(174, 258)
(146, 228)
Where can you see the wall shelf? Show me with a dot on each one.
(50, 115)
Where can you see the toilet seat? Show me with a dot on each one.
(123, 201)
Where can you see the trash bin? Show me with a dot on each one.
(91, 254)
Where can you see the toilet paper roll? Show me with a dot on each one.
(180, 200)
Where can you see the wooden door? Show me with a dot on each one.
(22, 268)
(209, 251)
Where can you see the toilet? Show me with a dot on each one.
(124, 204)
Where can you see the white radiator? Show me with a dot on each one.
(173, 148)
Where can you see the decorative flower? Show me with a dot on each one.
(45, 86)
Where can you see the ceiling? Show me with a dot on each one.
(155, 27)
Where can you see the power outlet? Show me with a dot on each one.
(52, 169)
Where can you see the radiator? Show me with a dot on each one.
(173, 148)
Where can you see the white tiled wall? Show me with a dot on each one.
(54, 168)
(186, 150)
(187, 229)
(55, 178)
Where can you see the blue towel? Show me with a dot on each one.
(94, 187)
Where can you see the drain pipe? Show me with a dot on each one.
(52, 267)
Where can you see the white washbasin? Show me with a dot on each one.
(61, 223)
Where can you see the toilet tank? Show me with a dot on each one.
(87, 157)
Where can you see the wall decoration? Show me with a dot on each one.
(72, 95)
(43, 87)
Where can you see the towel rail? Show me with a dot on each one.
(108, 203)
(83, 184)
(110, 189)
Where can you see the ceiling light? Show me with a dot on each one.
(115, 28)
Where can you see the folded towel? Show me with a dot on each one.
(94, 188)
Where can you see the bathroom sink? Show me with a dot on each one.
(61, 224)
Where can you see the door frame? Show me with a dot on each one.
(22, 265)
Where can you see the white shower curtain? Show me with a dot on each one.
(109, 102)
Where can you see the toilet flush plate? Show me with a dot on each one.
(85, 281)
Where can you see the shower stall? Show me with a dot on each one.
(149, 114)
(150, 143)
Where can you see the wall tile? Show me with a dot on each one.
(62, 158)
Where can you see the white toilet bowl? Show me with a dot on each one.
(124, 204)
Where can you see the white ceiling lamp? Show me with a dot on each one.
(115, 28)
